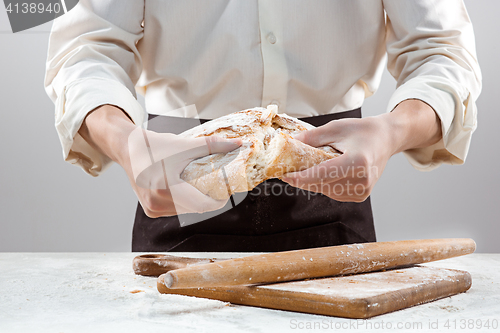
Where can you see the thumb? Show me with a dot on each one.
(216, 144)
(315, 137)
(319, 136)
(187, 150)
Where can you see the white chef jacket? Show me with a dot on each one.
(308, 57)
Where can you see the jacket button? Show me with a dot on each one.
(271, 38)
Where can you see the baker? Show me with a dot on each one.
(317, 61)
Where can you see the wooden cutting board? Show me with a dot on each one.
(334, 280)
(355, 296)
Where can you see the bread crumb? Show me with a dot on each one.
(137, 291)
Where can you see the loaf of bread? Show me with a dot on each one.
(268, 151)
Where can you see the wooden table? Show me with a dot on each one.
(98, 292)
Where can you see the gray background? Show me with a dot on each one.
(49, 205)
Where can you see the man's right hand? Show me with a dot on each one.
(154, 161)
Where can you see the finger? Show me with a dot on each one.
(325, 172)
(197, 148)
(156, 203)
(214, 145)
(319, 136)
(222, 145)
(175, 207)
(190, 200)
(167, 209)
(165, 203)
(165, 145)
(201, 147)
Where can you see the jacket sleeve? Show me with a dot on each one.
(431, 53)
(92, 61)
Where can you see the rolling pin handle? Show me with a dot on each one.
(168, 280)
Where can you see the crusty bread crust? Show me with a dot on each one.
(268, 151)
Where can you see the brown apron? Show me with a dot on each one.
(268, 219)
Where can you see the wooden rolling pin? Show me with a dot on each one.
(317, 262)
